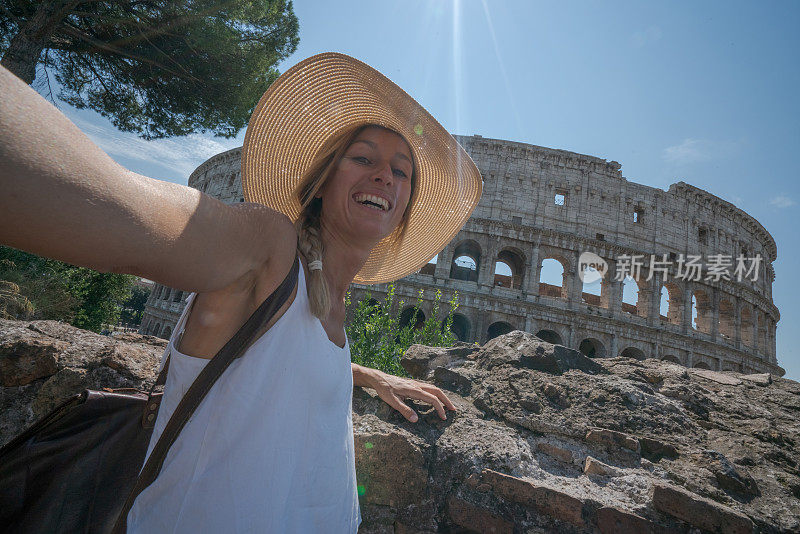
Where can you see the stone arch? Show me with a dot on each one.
(157, 330)
(552, 267)
(632, 302)
(592, 347)
(671, 358)
(591, 287)
(515, 262)
(633, 352)
(701, 365)
(763, 346)
(459, 327)
(167, 332)
(551, 336)
(771, 333)
(498, 329)
(466, 261)
(746, 325)
(732, 366)
(701, 311)
(670, 309)
(727, 321)
(407, 315)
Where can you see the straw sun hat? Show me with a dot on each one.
(325, 93)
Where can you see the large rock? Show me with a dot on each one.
(543, 440)
(43, 363)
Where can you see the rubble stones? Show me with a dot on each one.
(680, 452)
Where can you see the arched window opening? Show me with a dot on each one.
(663, 307)
(592, 291)
(498, 329)
(701, 312)
(430, 267)
(503, 276)
(593, 348)
(508, 270)
(727, 326)
(551, 280)
(670, 305)
(702, 365)
(408, 315)
(167, 332)
(747, 326)
(466, 260)
(630, 296)
(551, 336)
(459, 327)
(763, 345)
(633, 352)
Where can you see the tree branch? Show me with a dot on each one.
(80, 34)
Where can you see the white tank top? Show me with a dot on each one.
(270, 448)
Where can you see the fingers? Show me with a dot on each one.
(431, 399)
(403, 408)
(439, 393)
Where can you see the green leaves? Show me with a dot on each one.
(378, 339)
(82, 297)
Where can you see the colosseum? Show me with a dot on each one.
(517, 264)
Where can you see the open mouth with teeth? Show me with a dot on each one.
(372, 201)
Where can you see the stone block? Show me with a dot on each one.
(698, 511)
(477, 519)
(565, 455)
(612, 438)
(593, 466)
(542, 499)
(614, 521)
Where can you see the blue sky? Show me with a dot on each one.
(704, 92)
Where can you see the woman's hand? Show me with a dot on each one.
(394, 389)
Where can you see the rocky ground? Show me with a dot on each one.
(544, 439)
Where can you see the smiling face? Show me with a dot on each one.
(366, 195)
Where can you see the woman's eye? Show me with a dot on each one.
(400, 173)
(361, 159)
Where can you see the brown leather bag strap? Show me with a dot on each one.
(233, 349)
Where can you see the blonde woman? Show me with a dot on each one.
(340, 167)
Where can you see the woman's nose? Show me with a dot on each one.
(384, 174)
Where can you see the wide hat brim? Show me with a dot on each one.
(325, 93)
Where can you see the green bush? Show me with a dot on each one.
(54, 290)
(378, 340)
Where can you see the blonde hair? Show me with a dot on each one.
(309, 242)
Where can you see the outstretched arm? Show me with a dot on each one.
(62, 197)
(393, 389)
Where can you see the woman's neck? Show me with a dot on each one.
(342, 260)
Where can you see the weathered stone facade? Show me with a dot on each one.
(544, 204)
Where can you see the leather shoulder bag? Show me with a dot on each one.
(79, 468)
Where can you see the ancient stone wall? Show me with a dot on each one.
(546, 205)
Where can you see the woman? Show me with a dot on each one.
(338, 164)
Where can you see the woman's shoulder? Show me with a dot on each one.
(279, 259)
